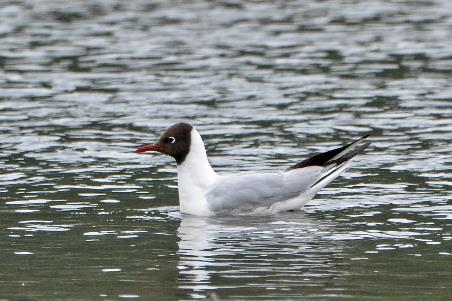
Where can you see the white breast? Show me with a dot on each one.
(195, 176)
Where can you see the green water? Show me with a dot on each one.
(82, 84)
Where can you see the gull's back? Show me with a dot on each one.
(255, 190)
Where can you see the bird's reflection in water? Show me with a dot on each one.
(280, 252)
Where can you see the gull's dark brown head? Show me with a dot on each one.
(174, 142)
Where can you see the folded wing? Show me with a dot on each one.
(260, 190)
(252, 190)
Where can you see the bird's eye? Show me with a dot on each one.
(172, 140)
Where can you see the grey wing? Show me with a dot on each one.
(260, 190)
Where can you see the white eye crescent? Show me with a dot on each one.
(172, 140)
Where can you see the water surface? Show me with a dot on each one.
(266, 84)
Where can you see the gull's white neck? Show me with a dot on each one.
(195, 176)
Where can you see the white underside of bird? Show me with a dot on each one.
(203, 192)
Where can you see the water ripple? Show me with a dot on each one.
(267, 84)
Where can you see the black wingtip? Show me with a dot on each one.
(351, 154)
(324, 158)
(364, 137)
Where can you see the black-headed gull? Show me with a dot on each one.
(203, 192)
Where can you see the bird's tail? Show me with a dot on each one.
(335, 162)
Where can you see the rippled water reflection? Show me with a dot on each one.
(82, 84)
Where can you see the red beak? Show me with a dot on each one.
(147, 148)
